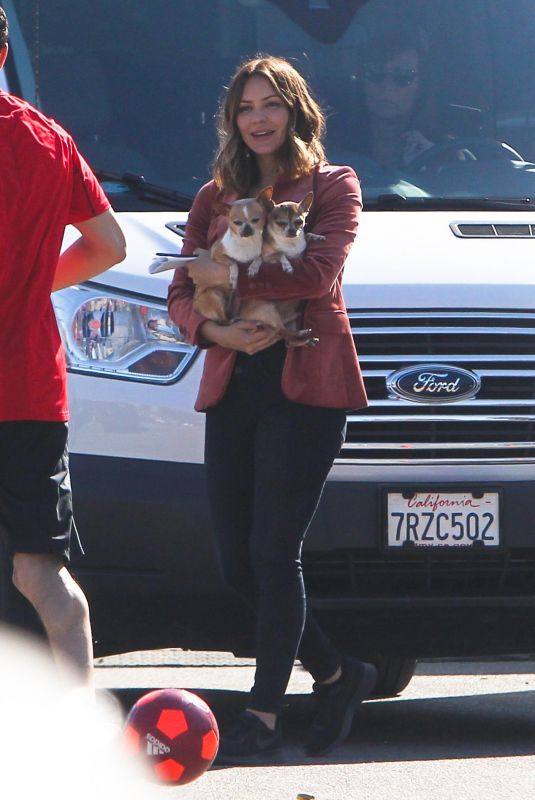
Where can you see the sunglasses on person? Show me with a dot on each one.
(400, 76)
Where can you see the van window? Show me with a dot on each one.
(425, 98)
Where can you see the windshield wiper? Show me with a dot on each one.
(395, 201)
(148, 191)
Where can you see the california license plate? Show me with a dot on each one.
(446, 519)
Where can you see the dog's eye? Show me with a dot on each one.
(238, 222)
(298, 223)
(255, 220)
(281, 224)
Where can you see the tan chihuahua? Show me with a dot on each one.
(241, 242)
(284, 236)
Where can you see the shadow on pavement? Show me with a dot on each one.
(472, 726)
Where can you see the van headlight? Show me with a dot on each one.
(117, 335)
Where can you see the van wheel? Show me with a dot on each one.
(394, 675)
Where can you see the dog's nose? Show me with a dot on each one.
(246, 231)
(291, 232)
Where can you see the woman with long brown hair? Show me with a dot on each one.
(276, 415)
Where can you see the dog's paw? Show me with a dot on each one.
(254, 267)
(311, 341)
(233, 275)
(287, 267)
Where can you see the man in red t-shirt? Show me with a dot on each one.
(45, 184)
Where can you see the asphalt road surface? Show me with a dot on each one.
(459, 730)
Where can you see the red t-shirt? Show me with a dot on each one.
(45, 184)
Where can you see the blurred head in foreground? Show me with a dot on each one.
(55, 741)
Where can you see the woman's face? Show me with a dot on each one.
(262, 117)
(391, 88)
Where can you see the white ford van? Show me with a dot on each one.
(424, 542)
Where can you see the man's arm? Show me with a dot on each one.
(101, 245)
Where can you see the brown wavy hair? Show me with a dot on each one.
(235, 167)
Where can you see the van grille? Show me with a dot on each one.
(352, 574)
(496, 425)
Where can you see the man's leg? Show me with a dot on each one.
(36, 518)
(63, 610)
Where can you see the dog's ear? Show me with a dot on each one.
(220, 207)
(264, 198)
(306, 202)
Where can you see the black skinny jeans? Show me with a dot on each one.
(266, 464)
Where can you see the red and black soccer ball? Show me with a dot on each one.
(176, 732)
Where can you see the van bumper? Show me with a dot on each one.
(151, 574)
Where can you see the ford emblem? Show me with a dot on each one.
(433, 383)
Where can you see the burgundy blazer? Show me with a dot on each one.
(328, 374)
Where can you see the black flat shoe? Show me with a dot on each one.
(248, 738)
(336, 704)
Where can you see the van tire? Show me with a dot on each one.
(394, 675)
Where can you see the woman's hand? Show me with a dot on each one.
(205, 272)
(243, 335)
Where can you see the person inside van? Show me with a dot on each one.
(392, 95)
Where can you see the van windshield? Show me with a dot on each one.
(424, 98)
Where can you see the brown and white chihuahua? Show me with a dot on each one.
(284, 236)
(242, 242)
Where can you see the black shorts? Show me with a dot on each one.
(35, 488)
